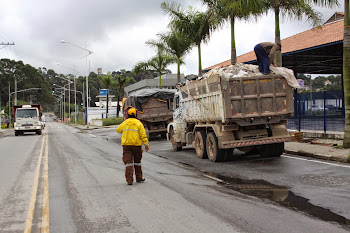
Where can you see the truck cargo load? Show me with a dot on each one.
(233, 107)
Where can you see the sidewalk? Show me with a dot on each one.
(316, 144)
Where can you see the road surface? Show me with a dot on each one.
(69, 180)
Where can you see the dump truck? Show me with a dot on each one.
(152, 111)
(27, 119)
(222, 111)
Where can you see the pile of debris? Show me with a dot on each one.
(237, 70)
(247, 70)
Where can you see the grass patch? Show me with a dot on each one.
(112, 121)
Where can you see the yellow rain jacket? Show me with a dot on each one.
(134, 133)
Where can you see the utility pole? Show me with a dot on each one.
(6, 44)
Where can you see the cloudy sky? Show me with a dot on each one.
(115, 31)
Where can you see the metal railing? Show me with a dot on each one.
(319, 111)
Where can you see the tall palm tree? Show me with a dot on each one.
(196, 25)
(158, 64)
(120, 84)
(176, 44)
(346, 73)
(230, 11)
(107, 81)
(294, 9)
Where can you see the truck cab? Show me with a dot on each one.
(27, 119)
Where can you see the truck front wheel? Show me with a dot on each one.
(176, 146)
(16, 133)
(214, 153)
(200, 144)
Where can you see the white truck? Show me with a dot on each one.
(222, 111)
(27, 119)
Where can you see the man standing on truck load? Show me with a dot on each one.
(134, 135)
(265, 53)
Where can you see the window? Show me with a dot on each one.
(26, 113)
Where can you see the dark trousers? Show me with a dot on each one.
(132, 156)
(263, 59)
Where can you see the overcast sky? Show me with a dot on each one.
(115, 31)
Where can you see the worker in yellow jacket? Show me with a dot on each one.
(134, 135)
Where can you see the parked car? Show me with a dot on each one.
(316, 107)
(331, 107)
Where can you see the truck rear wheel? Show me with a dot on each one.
(200, 144)
(214, 153)
(271, 150)
(176, 146)
(16, 133)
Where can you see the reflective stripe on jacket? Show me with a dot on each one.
(134, 133)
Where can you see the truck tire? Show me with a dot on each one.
(38, 132)
(214, 153)
(200, 144)
(271, 150)
(163, 135)
(16, 133)
(147, 133)
(176, 146)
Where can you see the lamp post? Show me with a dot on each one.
(87, 75)
(64, 98)
(75, 91)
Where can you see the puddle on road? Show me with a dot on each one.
(280, 195)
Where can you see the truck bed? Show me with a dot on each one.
(239, 100)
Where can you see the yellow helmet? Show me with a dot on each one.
(132, 111)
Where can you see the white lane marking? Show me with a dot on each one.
(316, 161)
(92, 135)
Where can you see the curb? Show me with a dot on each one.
(317, 156)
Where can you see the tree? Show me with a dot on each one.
(107, 82)
(194, 24)
(158, 63)
(230, 11)
(176, 44)
(27, 77)
(346, 73)
(293, 9)
(121, 83)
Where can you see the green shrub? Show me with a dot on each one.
(112, 121)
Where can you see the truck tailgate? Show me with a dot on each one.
(257, 96)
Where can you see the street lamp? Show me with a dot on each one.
(75, 98)
(87, 76)
(64, 98)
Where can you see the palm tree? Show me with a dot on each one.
(120, 84)
(158, 64)
(229, 11)
(196, 25)
(107, 81)
(346, 73)
(176, 44)
(294, 9)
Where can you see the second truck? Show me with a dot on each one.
(152, 111)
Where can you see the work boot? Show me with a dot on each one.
(140, 181)
(129, 183)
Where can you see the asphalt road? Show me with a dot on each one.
(68, 180)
